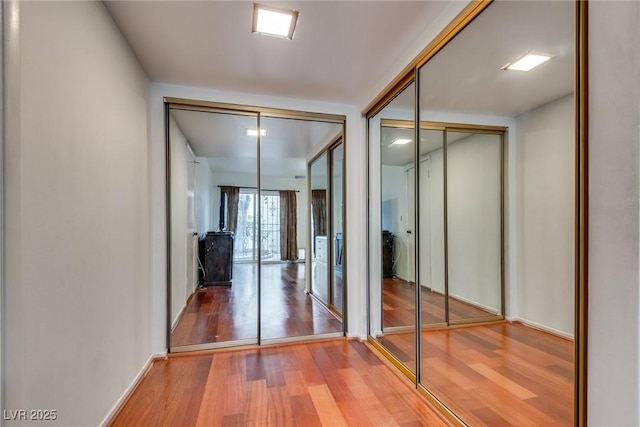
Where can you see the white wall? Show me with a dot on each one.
(431, 221)
(546, 218)
(77, 220)
(473, 211)
(206, 204)
(180, 233)
(614, 138)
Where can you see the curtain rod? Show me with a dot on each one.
(254, 188)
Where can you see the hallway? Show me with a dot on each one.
(328, 383)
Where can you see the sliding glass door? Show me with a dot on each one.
(239, 222)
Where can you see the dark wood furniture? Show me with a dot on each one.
(218, 258)
(387, 254)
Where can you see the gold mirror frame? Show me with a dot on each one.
(408, 75)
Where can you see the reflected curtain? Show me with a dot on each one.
(319, 210)
(233, 197)
(288, 226)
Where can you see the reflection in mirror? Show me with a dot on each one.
(213, 290)
(519, 372)
(337, 205)
(319, 229)
(473, 225)
(239, 238)
(286, 308)
(433, 310)
(392, 273)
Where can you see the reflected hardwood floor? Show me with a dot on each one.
(504, 374)
(320, 286)
(399, 302)
(329, 383)
(228, 313)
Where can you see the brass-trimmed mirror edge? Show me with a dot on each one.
(468, 14)
(581, 214)
(194, 104)
(430, 397)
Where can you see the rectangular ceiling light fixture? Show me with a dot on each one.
(528, 61)
(273, 21)
(254, 132)
(401, 141)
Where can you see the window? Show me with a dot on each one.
(246, 246)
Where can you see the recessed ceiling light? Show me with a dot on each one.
(528, 61)
(254, 132)
(273, 21)
(401, 141)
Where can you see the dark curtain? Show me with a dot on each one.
(233, 197)
(288, 226)
(319, 210)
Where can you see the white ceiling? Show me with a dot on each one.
(340, 50)
(222, 139)
(466, 76)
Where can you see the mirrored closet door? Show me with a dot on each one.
(211, 228)
(487, 194)
(239, 223)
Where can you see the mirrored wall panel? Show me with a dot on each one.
(214, 280)
(239, 227)
(474, 217)
(337, 220)
(286, 309)
(487, 198)
(393, 223)
(431, 242)
(320, 228)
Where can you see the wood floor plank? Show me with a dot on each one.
(502, 381)
(330, 383)
(475, 369)
(326, 406)
(229, 313)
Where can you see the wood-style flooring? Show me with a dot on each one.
(399, 305)
(503, 374)
(329, 383)
(228, 313)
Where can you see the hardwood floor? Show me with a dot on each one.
(399, 305)
(504, 374)
(229, 313)
(329, 383)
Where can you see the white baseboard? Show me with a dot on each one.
(543, 328)
(175, 321)
(357, 336)
(474, 303)
(123, 398)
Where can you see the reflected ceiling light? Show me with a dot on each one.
(528, 61)
(273, 21)
(401, 141)
(254, 132)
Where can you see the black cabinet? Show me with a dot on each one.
(387, 254)
(218, 258)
